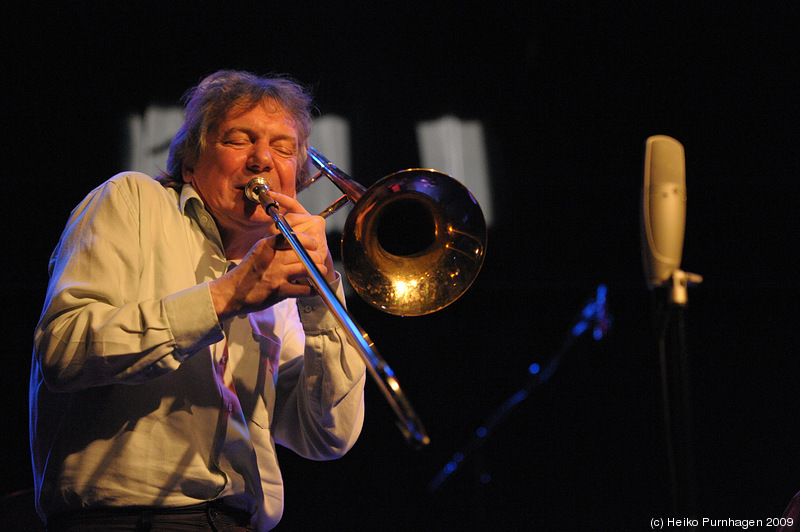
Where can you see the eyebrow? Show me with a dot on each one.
(249, 131)
(237, 129)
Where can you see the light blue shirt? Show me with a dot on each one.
(126, 400)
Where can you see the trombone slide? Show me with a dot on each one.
(409, 423)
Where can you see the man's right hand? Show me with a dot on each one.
(270, 272)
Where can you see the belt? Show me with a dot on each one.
(150, 518)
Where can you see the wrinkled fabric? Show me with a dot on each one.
(127, 403)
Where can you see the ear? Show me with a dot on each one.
(187, 171)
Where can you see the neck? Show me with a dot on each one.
(239, 244)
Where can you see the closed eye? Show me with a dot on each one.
(237, 142)
(285, 147)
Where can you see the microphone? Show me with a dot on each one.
(663, 208)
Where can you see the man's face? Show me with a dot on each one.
(260, 142)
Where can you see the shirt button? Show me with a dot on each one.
(308, 309)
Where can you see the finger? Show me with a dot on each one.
(275, 241)
(295, 267)
(310, 244)
(288, 204)
(306, 223)
(314, 231)
(280, 243)
(298, 289)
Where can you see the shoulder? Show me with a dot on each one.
(139, 184)
(126, 192)
(134, 189)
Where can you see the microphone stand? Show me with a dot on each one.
(593, 319)
(670, 323)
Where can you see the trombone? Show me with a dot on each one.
(412, 244)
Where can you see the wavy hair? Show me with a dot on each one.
(209, 102)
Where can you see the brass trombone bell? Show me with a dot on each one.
(413, 243)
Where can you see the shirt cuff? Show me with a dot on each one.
(192, 319)
(314, 313)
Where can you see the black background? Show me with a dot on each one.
(568, 92)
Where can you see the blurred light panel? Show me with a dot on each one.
(458, 148)
(330, 135)
(149, 135)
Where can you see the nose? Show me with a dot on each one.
(260, 158)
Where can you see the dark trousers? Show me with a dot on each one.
(210, 516)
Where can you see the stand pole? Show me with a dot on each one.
(676, 392)
(593, 320)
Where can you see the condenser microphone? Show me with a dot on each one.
(663, 218)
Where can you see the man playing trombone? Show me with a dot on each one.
(179, 341)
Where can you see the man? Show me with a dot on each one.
(179, 342)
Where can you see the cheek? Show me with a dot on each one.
(288, 175)
(227, 164)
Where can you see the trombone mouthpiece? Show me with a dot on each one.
(253, 189)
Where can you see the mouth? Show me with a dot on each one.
(253, 189)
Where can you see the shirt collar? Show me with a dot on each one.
(192, 206)
(189, 194)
